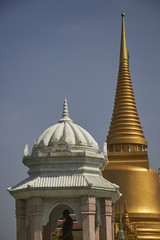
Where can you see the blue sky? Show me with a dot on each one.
(54, 49)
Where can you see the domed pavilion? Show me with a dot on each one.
(65, 168)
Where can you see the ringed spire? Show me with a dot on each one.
(65, 108)
(65, 114)
(125, 132)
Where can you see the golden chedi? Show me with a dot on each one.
(128, 158)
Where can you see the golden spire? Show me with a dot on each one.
(123, 47)
(125, 133)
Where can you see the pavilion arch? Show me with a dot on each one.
(55, 214)
(50, 205)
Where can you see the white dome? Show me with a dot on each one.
(67, 131)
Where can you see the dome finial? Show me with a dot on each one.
(65, 108)
(65, 114)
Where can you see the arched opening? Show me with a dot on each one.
(53, 229)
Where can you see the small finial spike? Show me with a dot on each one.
(65, 114)
(128, 57)
(126, 216)
(120, 217)
(121, 235)
(65, 109)
(26, 151)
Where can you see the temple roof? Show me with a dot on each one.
(64, 181)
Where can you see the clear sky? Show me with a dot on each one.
(70, 48)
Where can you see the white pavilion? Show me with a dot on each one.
(65, 168)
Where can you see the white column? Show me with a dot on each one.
(106, 228)
(97, 233)
(88, 211)
(113, 219)
(20, 219)
(35, 218)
